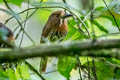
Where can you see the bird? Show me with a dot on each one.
(6, 37)
(55, 29)
(7, 40)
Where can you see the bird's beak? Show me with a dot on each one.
(66, 16)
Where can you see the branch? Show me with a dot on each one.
(98, 48)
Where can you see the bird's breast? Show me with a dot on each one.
(58, 33)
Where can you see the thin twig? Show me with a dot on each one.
(19, 70)
(92, 19)
(7, 5)
(26, 20)
(34, 70)
(116, 66)
(62, 8)
(94, 37)
(16, 18)
(109, 34)
(112, 15)
(88, 65)
(77, 29)
(78, 19)
(94, 69)
(80, 25)
(24, 25)
(18, 13)
(50, 72)
(79, 64)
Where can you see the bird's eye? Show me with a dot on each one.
(56, 15)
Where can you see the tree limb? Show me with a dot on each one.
(97, 48)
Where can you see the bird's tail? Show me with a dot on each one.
(43, 64)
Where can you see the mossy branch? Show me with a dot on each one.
(94, 48)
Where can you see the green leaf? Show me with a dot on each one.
(16, 2)
(113, 61)
(3, 75)
(65, 65)
(71, 30)
(100, 26)
(72, 22)
(11, 74)
(1, 1)
(104, 71)
(112, 20)
(83, 60)
(99, 8)
(42, 15)
(22, 72)
(117, 75)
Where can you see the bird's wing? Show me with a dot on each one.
(45, 33)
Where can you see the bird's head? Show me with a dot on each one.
(58, 17)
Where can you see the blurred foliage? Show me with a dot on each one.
(21, 73)
(103, 24)
(16, 2)
(104, 71)
(65, 65)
